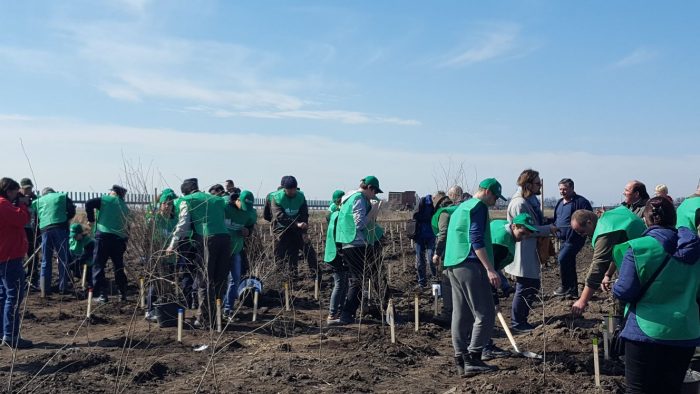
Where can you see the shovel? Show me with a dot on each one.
(512, 340)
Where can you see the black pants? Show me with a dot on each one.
(109, 246)
(189, 259)
(32, 245)
(287, 246)
(654, 368)
(355, 259)
(212, 277)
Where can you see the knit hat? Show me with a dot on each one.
(121, 192)
(189, 186)
(289, 182)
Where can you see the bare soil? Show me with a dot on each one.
(295, 351)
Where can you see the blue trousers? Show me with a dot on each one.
(55, 239)
(424, 255)
(234, 279)
(567, 265)
(526, 290)
(12, 284)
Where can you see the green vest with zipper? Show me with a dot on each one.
(207, 213)
(669, 308)
(458, 239)
(113, 215)
(619, 219)
(51, 209)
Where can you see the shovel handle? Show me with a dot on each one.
(508, 333)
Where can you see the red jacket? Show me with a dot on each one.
(13, 239)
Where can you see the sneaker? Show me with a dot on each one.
(523, 328)
(473, 365)
(18, 343)
(101, 299)
(459, 363)
(562, 292)
(199, 325)
(492, 351)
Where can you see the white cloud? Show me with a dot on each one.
(322, 164)
(348, 117)
(638, 56)
(493, 42)
(14, 117)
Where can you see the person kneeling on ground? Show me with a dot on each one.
(82, 248)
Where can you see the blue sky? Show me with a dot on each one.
(331, 91)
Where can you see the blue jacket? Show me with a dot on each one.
(684, 246)
(423, 217)
(564, 223)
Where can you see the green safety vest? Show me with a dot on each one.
(346, 229)
(112, 217)
(501, 236)
(458, 243)
(237, 219)
(77, 248)
(669, 308)
(207, 213)
(290, 206)
(619, 219)
(688, 212)
(51, 209)
(333, 207)
(331, 250)
(435, 221)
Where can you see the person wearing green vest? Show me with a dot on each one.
(204, 216)
(27, 190)
(660, 282)
(334, 258)
(689, 213)
(161, 220)
(612, 228)
(54, 211)
(111, 236)
(335, 203)
(82, 249)
(354, 229)
(444, 206)
(470, 266)
(241, 218)
(290, 218)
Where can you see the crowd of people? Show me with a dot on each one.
(651, 246)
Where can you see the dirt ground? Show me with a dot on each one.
(294, 351)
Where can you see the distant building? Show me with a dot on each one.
(402, 201)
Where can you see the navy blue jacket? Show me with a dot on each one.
(566, 234)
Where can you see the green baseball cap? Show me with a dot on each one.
(524, 219)
(492, 185)
(338, 194)
(247, 200)
(372, 180)
(75, 229)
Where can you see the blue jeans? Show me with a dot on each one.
(340, 291)
(567, 265)
(55, 239)
(234, 280)
(526, 290)
(505, 285)
(424, 255)
(12, 286)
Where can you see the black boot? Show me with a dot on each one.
(474, 366)
(459, 361)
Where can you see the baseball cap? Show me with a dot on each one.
(524, 219)
(372, 180)
(492, 185)
(338, 194)
(247, 200)
(289, 182)
(25, 182)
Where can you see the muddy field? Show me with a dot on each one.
(294, 351)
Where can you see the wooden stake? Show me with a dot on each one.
(417, 311)
(369, 289)
(596, 365)
(180, 320)
(42, 286)
(255, 305)
(435, 305)
(142, 293)
(391, 321)
(286, 296)
(83, 281)
(89, 306)
(316, 289)
(218, 315)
